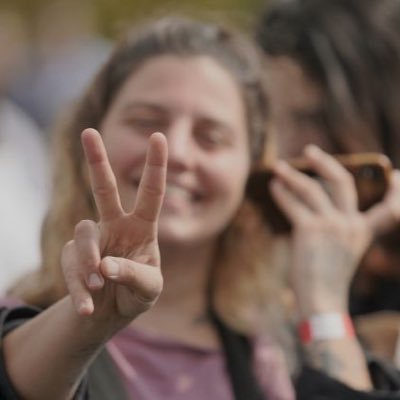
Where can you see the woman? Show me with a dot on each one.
(334, 73)
(200, 85)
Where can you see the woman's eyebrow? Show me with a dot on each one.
(137, 105)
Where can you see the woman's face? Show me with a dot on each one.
(198, 106)
(298, 109)
(296, 103)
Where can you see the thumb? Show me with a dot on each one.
(386, 215)
(142, 279)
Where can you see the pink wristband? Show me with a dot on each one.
(326, 326)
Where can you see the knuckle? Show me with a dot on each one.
(357, 224)
(337, 223)
(152, 190)
(106, 188)
(153, 290)
(90, 262)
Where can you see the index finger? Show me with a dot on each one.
(152, 184)
(102, 179)
(340, 182)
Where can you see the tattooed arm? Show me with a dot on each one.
(340, 358)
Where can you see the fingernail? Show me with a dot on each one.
(95, 280)
(111, 267)
(85, 307)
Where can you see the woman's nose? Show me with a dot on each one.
(180, 147)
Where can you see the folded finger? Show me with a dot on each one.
(294, 209)
(87, 243)
(304, 188)
(143, 280)
(80, 294)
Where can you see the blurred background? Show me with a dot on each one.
(57, 44)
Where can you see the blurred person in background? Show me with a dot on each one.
(203, 328)
(23, 163)
(65, 53)
(333, 70)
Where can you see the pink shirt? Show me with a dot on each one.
(157, 368)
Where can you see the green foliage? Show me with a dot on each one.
(114, 15)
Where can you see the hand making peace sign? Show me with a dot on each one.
(112, 267)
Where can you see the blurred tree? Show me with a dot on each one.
(114, 15)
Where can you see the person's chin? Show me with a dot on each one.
(178, 232)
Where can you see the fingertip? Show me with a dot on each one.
(87, 134)
(110, 267)
(312, 150)
(90, 131)
(85, 307)
(160, 141)
(159, 136)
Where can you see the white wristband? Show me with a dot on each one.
(326, 326)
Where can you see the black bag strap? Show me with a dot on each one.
(238, 354)
(104, 381)
(9, 320)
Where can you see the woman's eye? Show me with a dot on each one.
(147, 125)
(213, 138)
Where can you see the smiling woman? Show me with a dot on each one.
(170, 281)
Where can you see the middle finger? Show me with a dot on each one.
(305, 188)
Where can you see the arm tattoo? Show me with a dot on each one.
(320, 356)
(201, 319)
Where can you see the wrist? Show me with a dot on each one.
(96, 328)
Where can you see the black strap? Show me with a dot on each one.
(104, 380)
(9, 320)
(238, 354)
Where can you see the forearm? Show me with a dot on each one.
(341, 359)
(47, 356)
